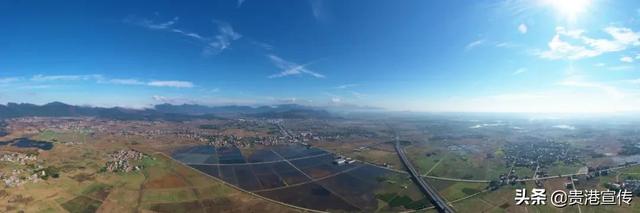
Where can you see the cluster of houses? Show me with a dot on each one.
(124, 161)
(532, 152)
(17, 177)
(18, 158)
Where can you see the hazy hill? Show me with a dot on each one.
(162, 111)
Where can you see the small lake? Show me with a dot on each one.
(28, 143)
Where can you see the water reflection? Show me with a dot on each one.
(28, 143)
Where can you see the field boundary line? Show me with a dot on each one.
(456, 179)
(311, 179)
(240, 189)
(366, 162)
(265, 162)
(436, 165)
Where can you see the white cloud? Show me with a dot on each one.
(188, 34)
(319, 10)
(620, 68)
(41, 77)
(564, 126)
(124, 81)
(626, 59)
(633, 81)
(44, 86)
(212, 45)
(223, 40)
(346, 86)
(159, 98)
(357, 94)
(603, 45)
(522, 28)
(519, 71)
(586, 47)
(8, 80)
(624, 35)
(289, 68)
(559, 49)
(555, 100)
(474, 44)
(611, 91)
(151, 25)
(286, 100)
(175, 84)
(573, 33)
(103, 80)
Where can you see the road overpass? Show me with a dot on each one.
(432, 193)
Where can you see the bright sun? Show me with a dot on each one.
(569, 8)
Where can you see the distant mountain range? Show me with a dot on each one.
(162, 111)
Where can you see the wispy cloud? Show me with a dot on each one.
(357, 95)
(319, 10)
(223, 40)
(212, 45)
(559, 49)
(609, 90)
(633, 81)
(41, 77)
(474, 44)
(188, 34)
(519, 71)
(103, 80)
(346, 86)
(8, 80)
(620, 68)
(43, 86)
(240, 3)
(263, 45)
(175, 84)
(208, 101)
(147, 23)
(290, 68)
(626, 59)
(124, 81)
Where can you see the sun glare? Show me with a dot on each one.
(569, 8)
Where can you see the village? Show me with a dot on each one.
(20, 169)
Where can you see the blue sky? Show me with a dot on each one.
(486, 56)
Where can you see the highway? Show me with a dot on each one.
(441, 203)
